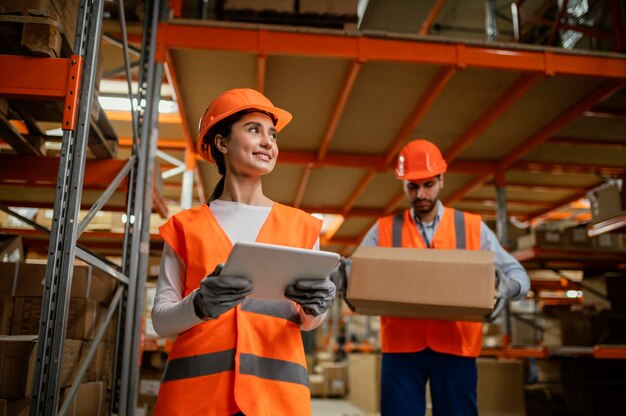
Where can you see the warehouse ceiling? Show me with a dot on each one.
(547, 123)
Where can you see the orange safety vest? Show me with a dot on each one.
(251, 358)
(456, 230)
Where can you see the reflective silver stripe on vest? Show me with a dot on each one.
(199, 365)
(271, 369)
(398, 222)
(459, 227)
(282, 309)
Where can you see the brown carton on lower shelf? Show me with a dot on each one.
(434, 284)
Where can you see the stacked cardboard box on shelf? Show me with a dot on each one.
(571, 238)
(21, 291)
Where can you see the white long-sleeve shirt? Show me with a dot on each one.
(173, 312)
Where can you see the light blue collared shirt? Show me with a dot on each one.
(504, 262)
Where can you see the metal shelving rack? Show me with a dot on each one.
(72, 80)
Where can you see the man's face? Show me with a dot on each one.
(423, 193)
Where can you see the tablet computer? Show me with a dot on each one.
(271, 268)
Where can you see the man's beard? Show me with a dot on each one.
(424, 205)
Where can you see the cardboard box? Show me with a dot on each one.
(335, 379)
(500, 387)
(20, 407)
(433, 284)
(81, 319)
(88, 400)
(11, 249)
(27, 279)
(607, 201)
(18, 355)
(286, 6)
(316, 385)
(336, 7)
(364, 381)
(101, 366)
(541, 239)
(6, 314)
(8, 278)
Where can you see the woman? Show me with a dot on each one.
(235, 355)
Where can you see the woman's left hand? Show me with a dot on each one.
(314, 296)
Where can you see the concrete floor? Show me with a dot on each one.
(334, 407)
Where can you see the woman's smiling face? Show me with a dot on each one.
(251, 149)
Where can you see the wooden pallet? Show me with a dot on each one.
(34, 27)
(30, 35)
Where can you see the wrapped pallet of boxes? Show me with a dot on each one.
(607, 201)
(432, 284)
(18, 356)
(364, 381)
(335, 379)
(500, 387)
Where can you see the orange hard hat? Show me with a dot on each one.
(420, 159)
(231, 102)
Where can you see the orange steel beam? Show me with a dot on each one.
(171, 144)
(26, 171)
(407, 49)
(605, 90)
(615, 352)
(168, 118)
(340, 106)
(516, 91)
(360, 188)
(177, 7)
(21, 77)
(172, 77)
(190, 148)
(467, 188)
(435, 88)
(302, 186)
(431, 17)
(560, 204)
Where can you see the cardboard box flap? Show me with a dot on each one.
(411, 254)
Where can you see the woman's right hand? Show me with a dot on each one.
(218, 294)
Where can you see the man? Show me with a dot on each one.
(443, 352)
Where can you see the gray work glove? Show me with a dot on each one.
(340, 276)
(507, 290)
(218, 294)
(314, 296)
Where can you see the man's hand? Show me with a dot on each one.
(507, 290)
(314, 296)
(218, 294)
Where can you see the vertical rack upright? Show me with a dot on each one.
(65, 230)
